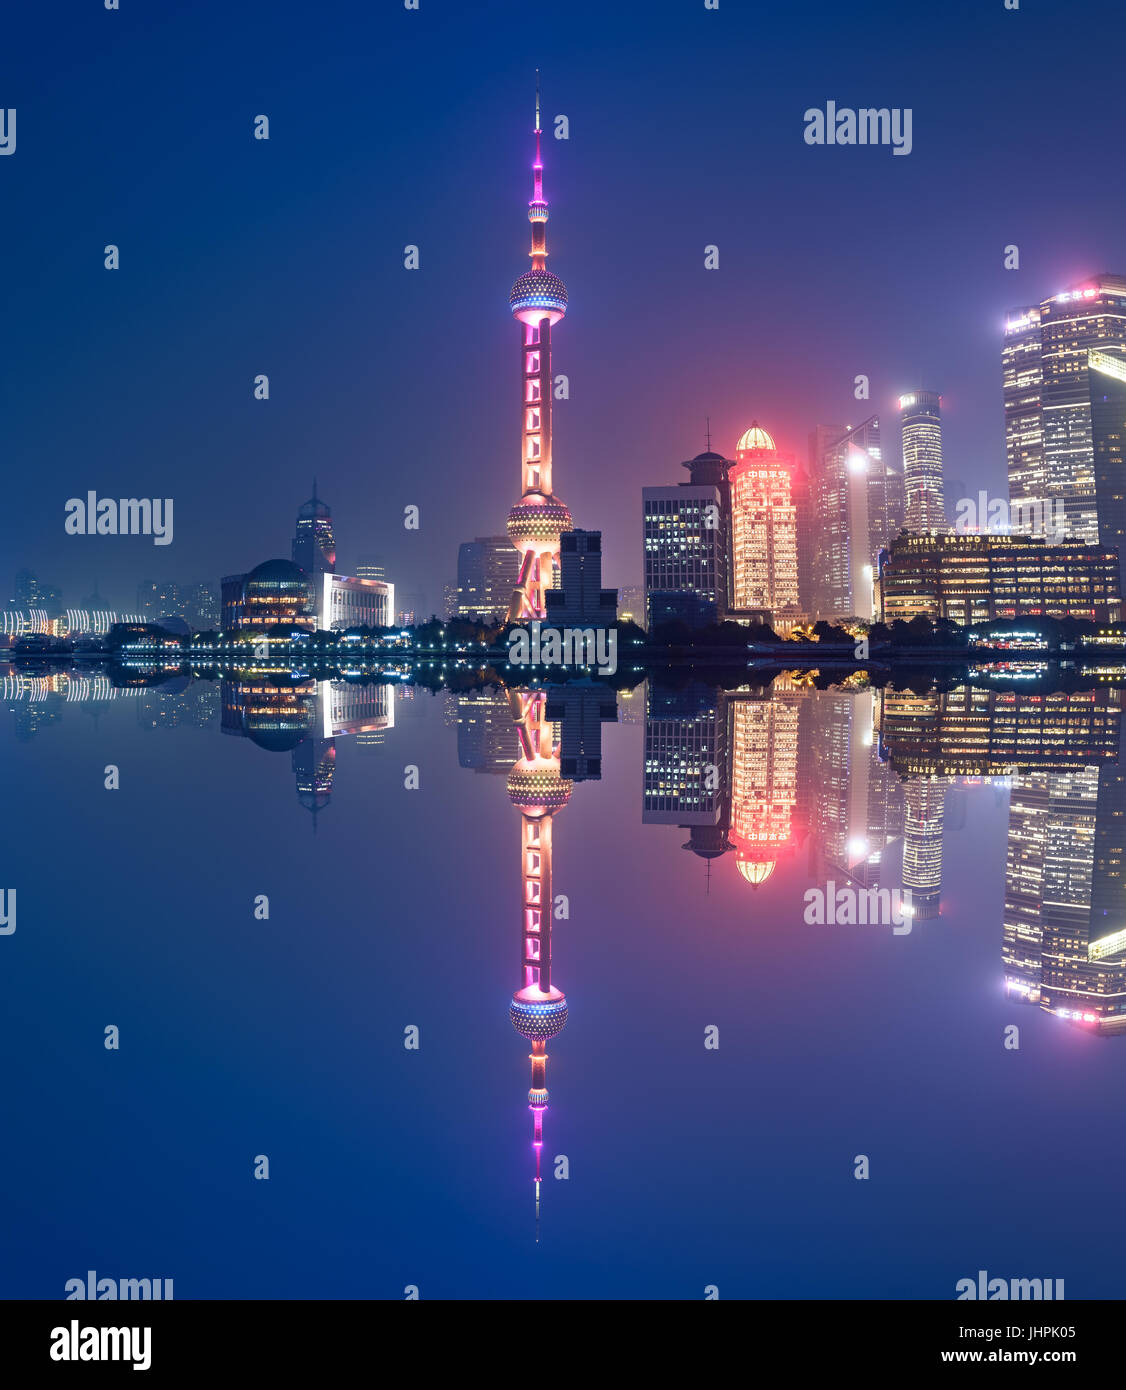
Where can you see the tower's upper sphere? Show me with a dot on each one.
(538, 294)
(754, 438)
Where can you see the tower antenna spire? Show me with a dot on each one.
(708, 431)
(537, 101)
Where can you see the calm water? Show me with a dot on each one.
(694, 827)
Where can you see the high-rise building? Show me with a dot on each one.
(538, 301)
(764, 533)
(580, 597)
(921, 421)
(1106, 380)
(857, 509)
(371, 567)
(1048, 419)
(314, 544)
(488, 570)
(686, 532)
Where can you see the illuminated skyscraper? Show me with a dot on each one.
(538, 302)
(922, 461)
(487, 572)
(1106, 378)
(538, 790)
(764, 531)
(857, 508)
(1048, 419)
(314, 544)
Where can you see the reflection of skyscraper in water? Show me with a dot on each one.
(538, 790)
(486, 738)
(858, 800)
(686, 772)
(1065, 898)
(922, 845)
(305, 718)
(764, 782)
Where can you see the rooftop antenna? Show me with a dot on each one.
(537, 101)
(708, 431)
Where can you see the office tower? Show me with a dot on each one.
(580, 597)
(631, 603)
(538, 302)
(971, 578)
(1106, 379)
(1048, 420)
(578, 712)
(922, 845)
(156, 599)
(686, 535)
(488, 570)
(764, 535)
(855, 514)
(371, 567)
(921, 420)
(1024, 430)
(764, 782)
(314, 544)
(200, 606)
(538, 791)
(686, 776)
(28, 591)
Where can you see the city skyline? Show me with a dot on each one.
(883, 318)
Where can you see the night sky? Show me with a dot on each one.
(390, 127)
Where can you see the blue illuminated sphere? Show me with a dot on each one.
(538, 291)
(538, 1020)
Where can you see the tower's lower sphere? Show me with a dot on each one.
(536, 523)
(538, 790)
(536, 1016)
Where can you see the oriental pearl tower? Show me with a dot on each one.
(538, 790)
(538, 301)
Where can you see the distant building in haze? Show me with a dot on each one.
(488, 571)
(857, 508)
(314, 543)
(921, 421)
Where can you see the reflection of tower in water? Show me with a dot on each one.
(764, 784)
(538, 790)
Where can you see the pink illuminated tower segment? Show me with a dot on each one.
(538, 302)
(538, 790)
